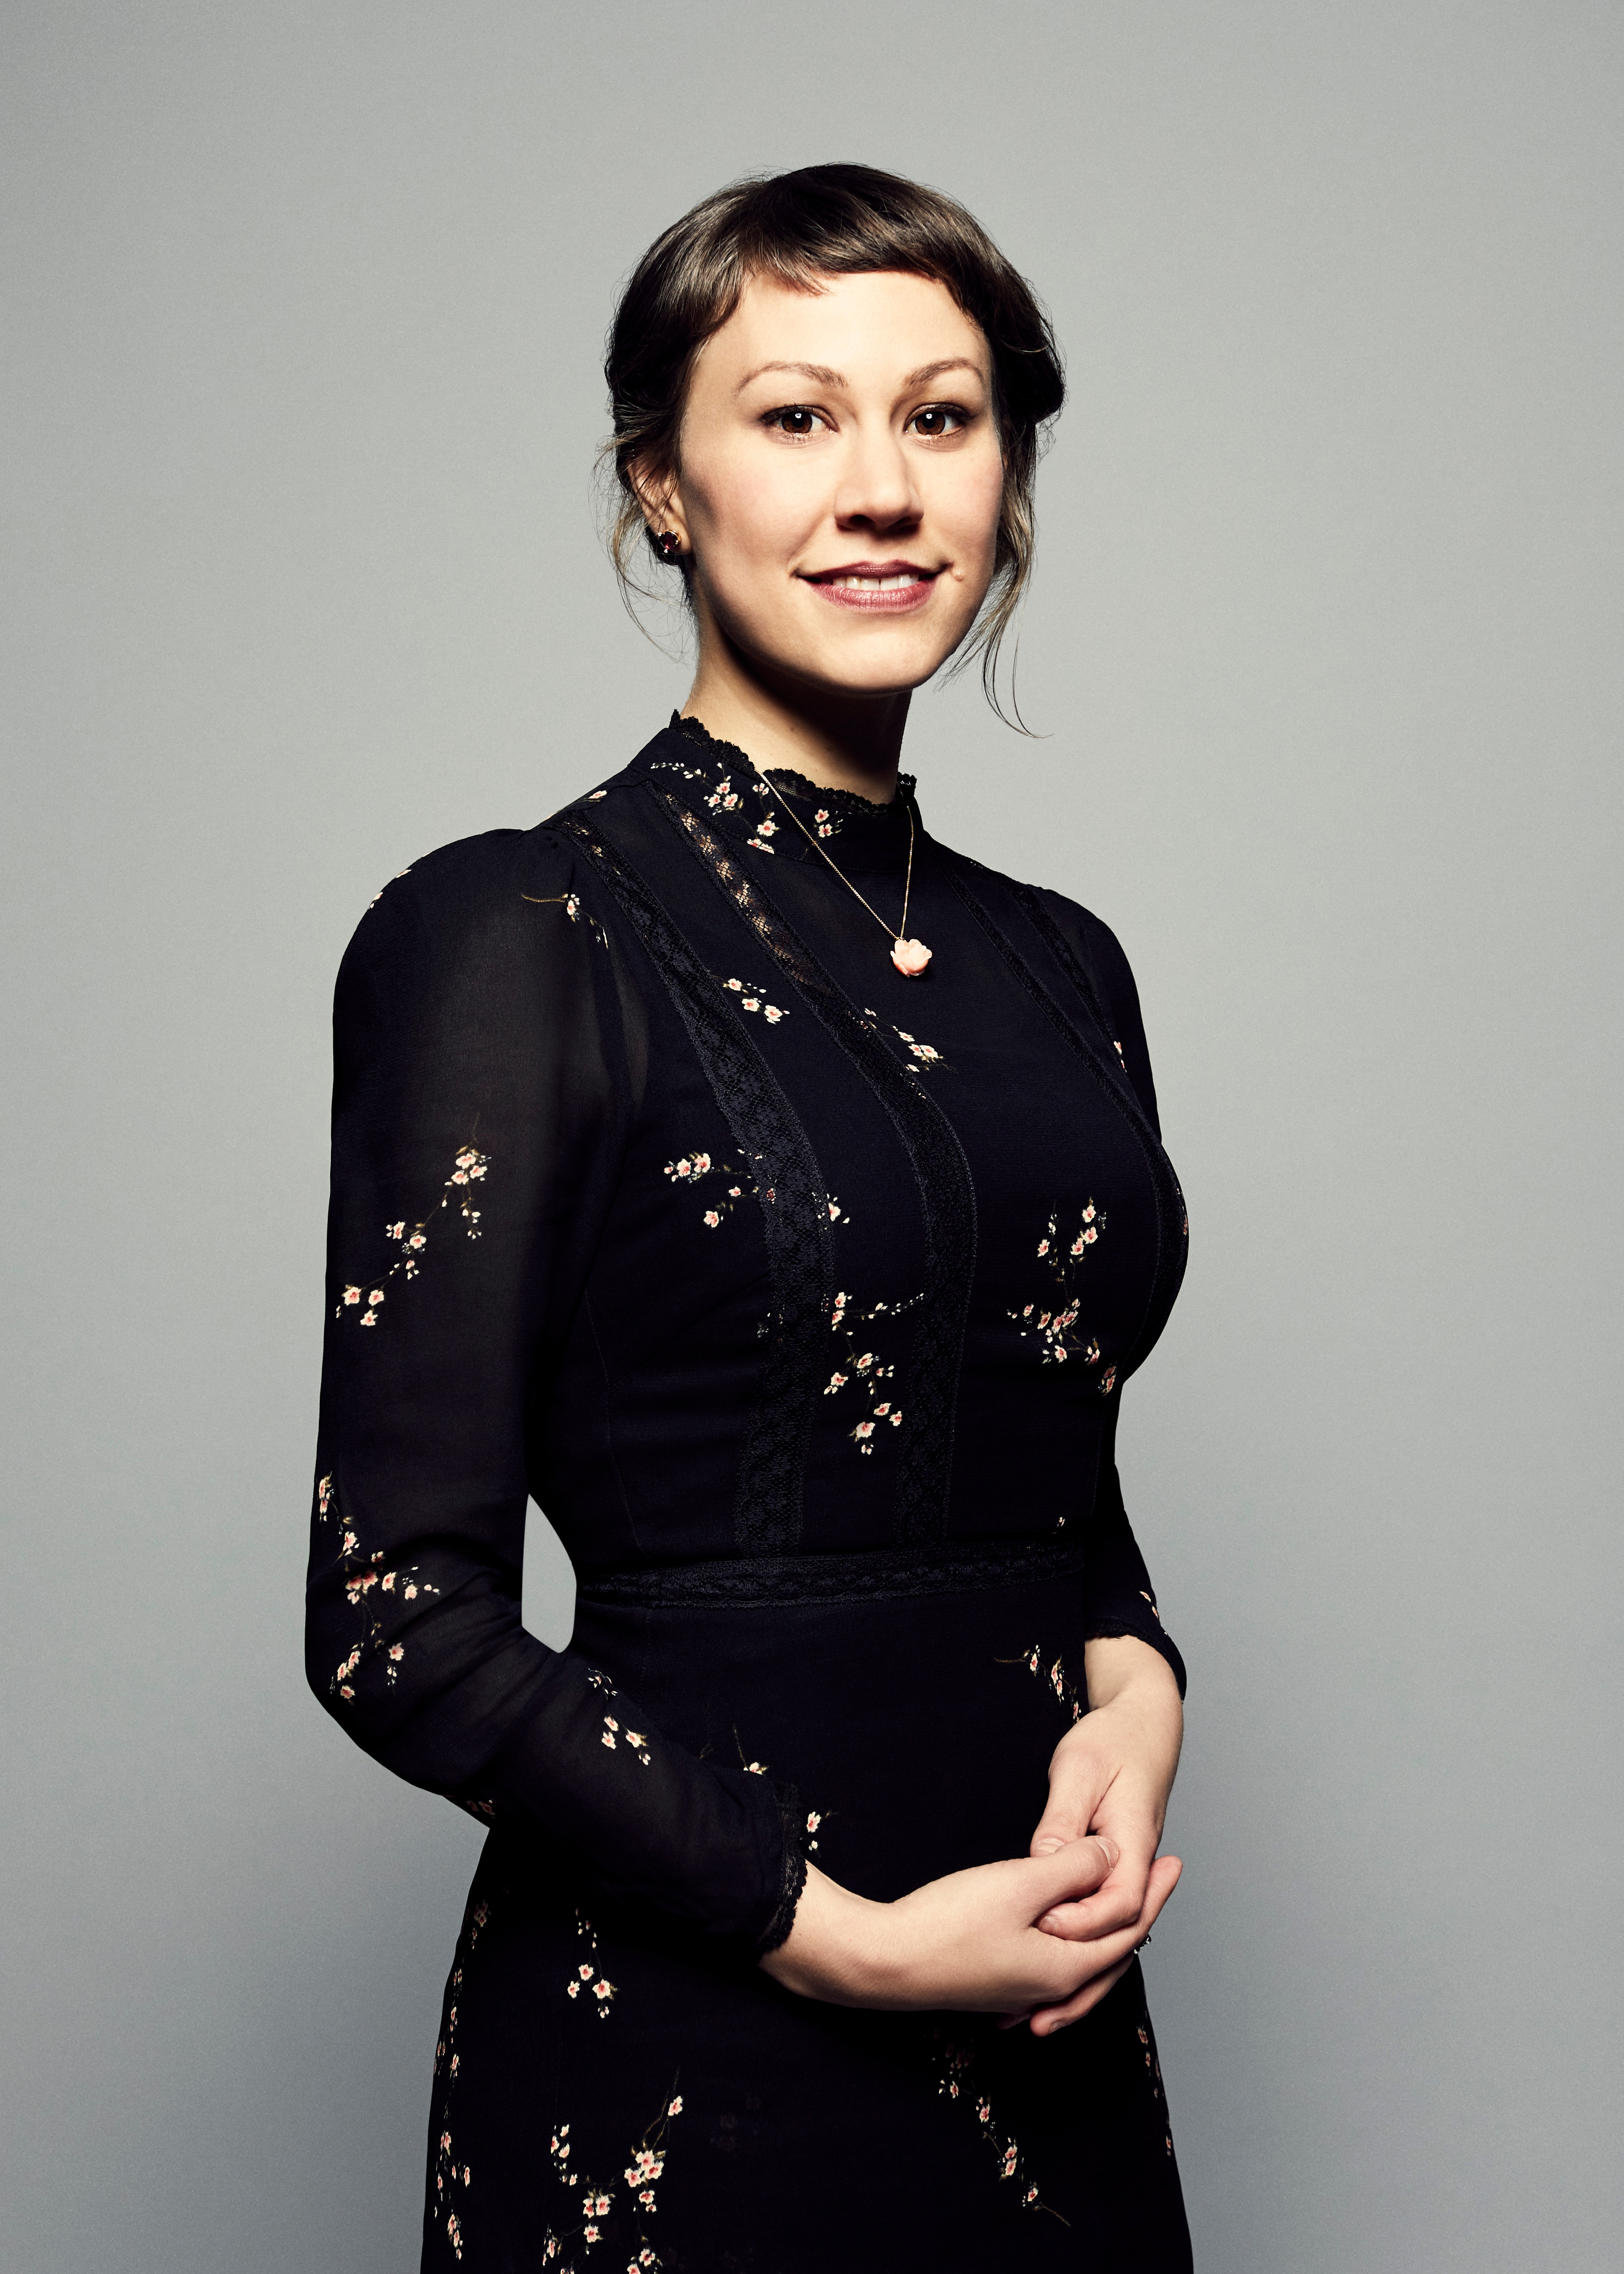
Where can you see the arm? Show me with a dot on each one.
(480, 1109)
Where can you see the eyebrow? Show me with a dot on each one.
(824, 377)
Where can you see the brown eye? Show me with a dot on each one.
(941, 419)
(794, 420)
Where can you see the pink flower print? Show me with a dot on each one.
(398, 1651)
(835, 1381)
(712, 1218)
(1042, 1247)
(603, 1991)
(756, 1768)
(369, 1318)
(864, 1430)
(836, 1212)
(768, 827)
(826, 827)
(324, 1495)
(1108, 1381)
(674, 2107)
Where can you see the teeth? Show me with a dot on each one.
(880, 584)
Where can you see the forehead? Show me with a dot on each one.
(870, 328)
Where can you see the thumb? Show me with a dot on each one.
(1073, 1871)
(1076, 1788)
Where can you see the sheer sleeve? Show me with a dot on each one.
(481, 1105)
(1120, 1598)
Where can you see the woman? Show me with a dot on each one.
(775, 1196)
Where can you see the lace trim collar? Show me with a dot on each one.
(737, 797)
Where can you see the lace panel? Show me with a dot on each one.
(947, 1195)
(767, 1508)
(870, 1576)
(1171, 1222)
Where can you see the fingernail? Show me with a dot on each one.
(1112, 1852)
(1048, 1846)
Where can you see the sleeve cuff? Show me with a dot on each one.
(1145, 1626)
(792, 1825)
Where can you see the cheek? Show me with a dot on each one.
(754, 516)
(970, 502)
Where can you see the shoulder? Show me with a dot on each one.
(1083, 936)
(494, 916)
(1088, 953)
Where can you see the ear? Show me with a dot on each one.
(660, 498)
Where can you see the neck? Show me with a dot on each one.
(837, 740)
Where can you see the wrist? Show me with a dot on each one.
(841, 1947)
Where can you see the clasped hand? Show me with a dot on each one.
(1040, 1938)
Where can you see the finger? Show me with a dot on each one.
(1077, 1868)
(1074, 1795)
(1116, 1904)
(1049, 2019)
(1106, 1943)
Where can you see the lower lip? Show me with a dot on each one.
(867, 600)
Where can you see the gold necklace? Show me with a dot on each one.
(910, 956)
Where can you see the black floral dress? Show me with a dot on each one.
(801, 1295)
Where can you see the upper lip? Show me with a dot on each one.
(869, 569)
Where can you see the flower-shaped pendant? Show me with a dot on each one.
(910, 957)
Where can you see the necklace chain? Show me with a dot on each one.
(907, 884)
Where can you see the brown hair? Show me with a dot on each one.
(827, 220)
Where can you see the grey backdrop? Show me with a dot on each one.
(304, 305)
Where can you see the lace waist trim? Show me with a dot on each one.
(871, 1574)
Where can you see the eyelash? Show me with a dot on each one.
(926, 410)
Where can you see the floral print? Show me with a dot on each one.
(924, 1057)
(1157, 2092)
(449, 2174)
(616, 2213)
(382, 889)
(866, 1369)
(469, 1169)
(587, 1981)
(732, 1186)
(921, 1058)
(750, 998)
(612, 1736)
(362, 1579)
(571, 904)
(1075, 1700)
(956, 2080)
(1051, 1324)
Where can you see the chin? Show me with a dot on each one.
(881, 663)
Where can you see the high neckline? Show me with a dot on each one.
(722, 781)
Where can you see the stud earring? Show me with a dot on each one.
(668, 545)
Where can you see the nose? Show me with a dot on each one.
(876, 489)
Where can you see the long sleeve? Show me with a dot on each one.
(481, 1107)
(1120, 1598)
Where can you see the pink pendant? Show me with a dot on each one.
(910, 957)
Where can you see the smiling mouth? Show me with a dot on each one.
(886, 587)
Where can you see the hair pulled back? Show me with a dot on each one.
(797, 229)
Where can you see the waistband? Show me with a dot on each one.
(867, 1575)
